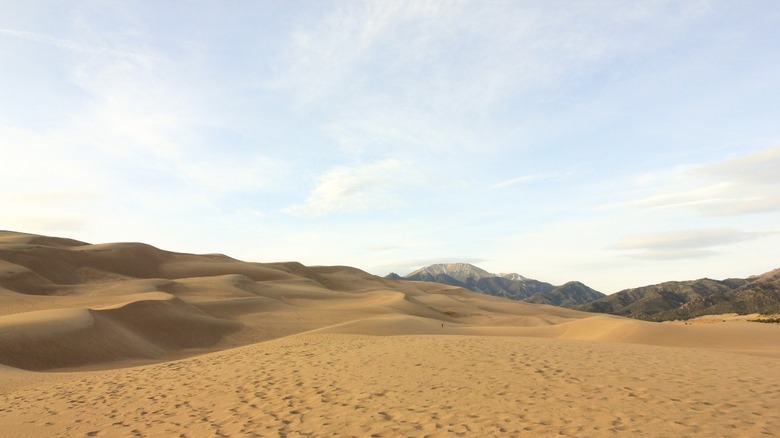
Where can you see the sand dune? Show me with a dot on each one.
(145, 327)
(147, 342)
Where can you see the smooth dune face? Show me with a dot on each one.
(155, 343)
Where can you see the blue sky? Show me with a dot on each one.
(616, 143)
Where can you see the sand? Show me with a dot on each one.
(128, 340)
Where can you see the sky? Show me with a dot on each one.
(616, 143)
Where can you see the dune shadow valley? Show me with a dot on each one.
(128, 340)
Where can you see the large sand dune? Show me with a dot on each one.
(129, 340)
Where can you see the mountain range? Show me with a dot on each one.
(510, 285)
(689, 299)
(660, 302)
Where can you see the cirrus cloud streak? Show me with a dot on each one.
(358, 188)
(684, 244)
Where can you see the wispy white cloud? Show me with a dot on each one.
(683, 244)
(431, 80)
(747, 184)
(358, 188)
(363, 44)
(686, 239)
(128, 102)
(331, 56)
(63, 43)
(761, 168)
(537, 177)
(136, 137)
